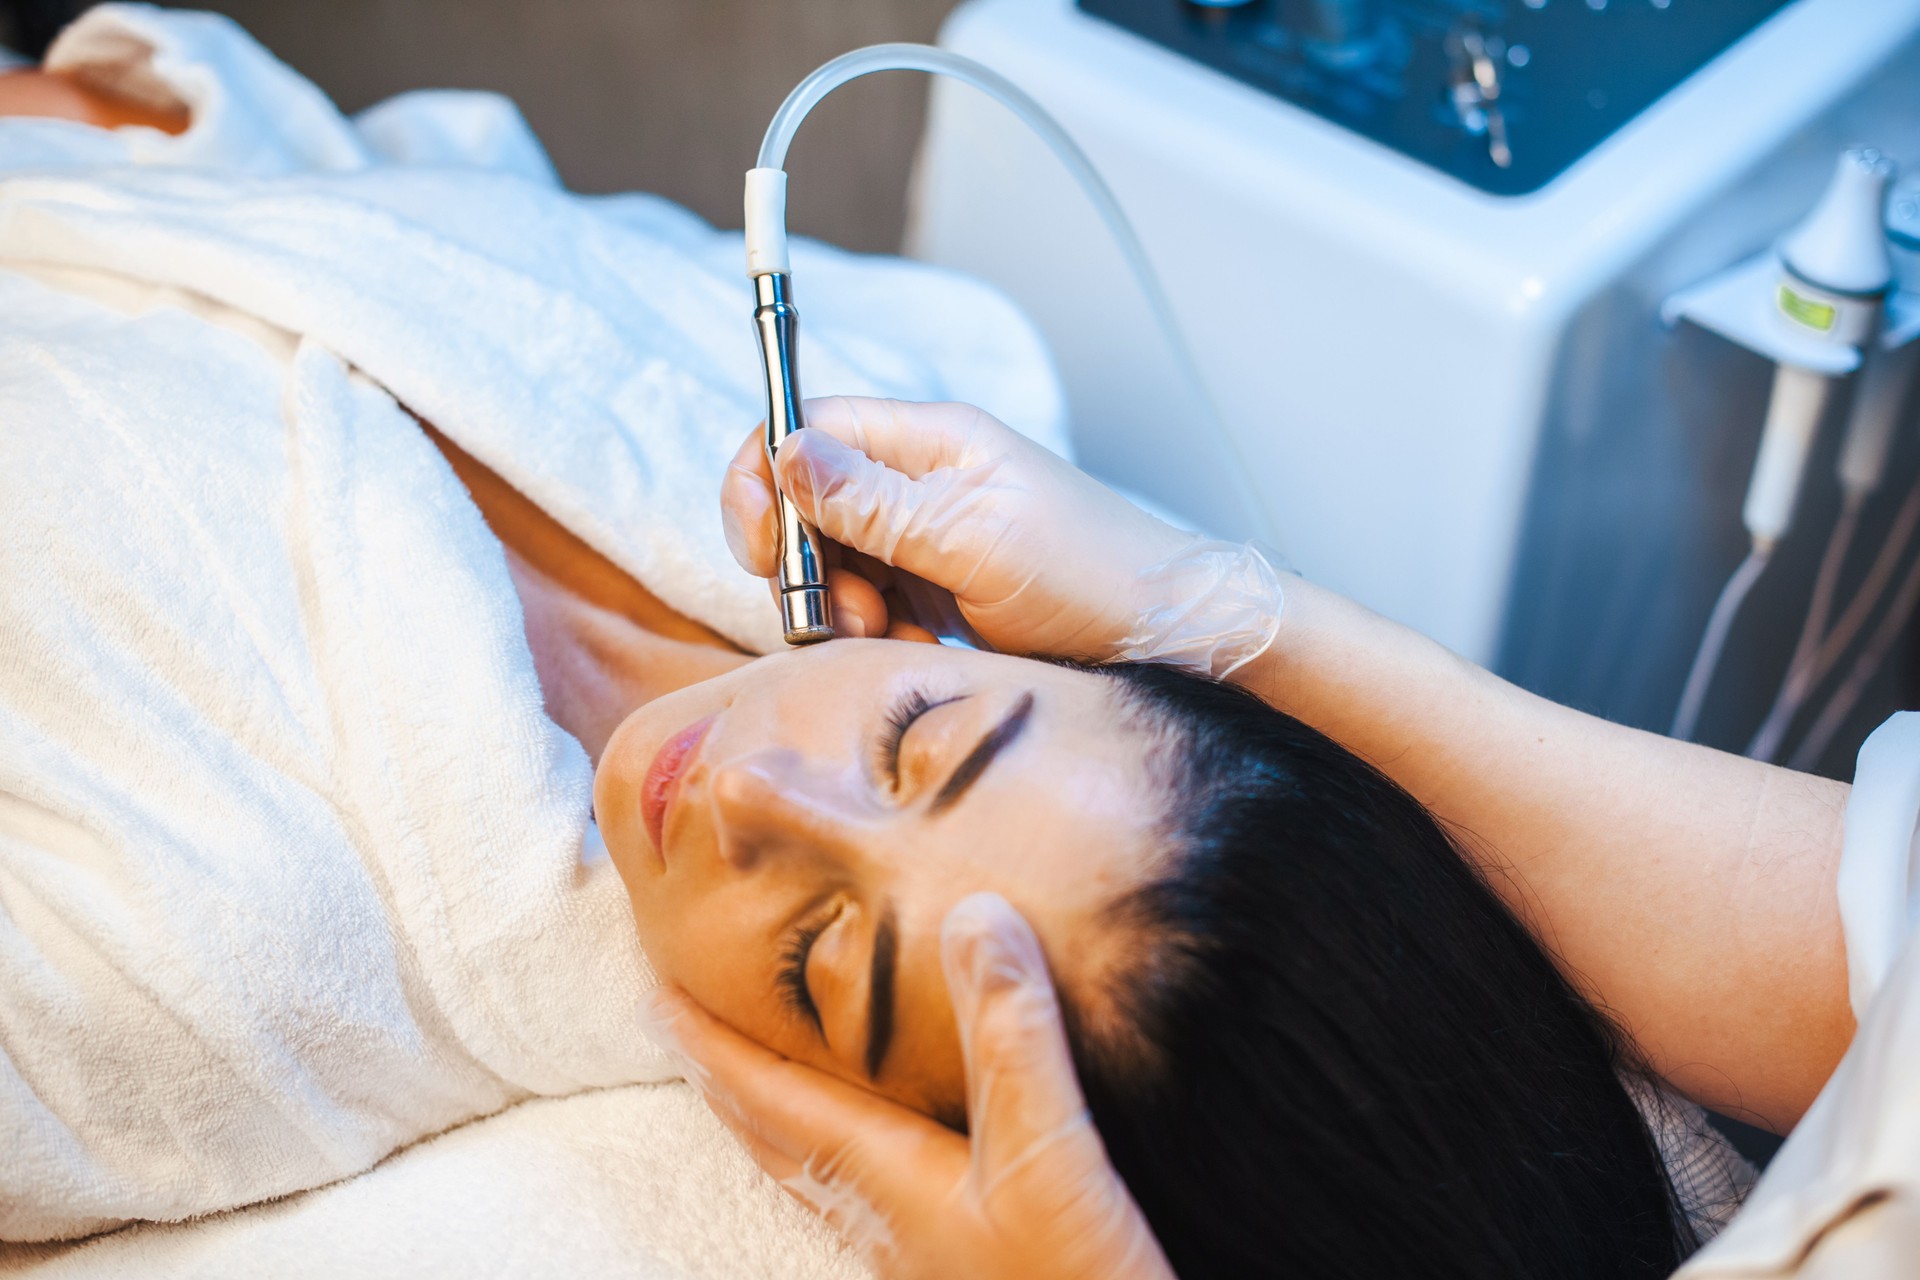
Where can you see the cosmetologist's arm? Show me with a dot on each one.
(1689, 891)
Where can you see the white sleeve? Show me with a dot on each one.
(1842, 1198)
(1878, 905)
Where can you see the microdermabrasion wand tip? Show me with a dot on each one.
(806, 615)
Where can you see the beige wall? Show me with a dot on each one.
(658, 95)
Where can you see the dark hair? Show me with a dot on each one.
(1337, 1054)
(29, 26)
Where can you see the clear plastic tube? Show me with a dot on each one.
(1714, 642)
(1806, 672)
(920, 57)
(1871, 431)
(1813, 748)
(1802, 673)
(1872, 590)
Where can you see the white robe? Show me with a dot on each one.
(1841, 1201)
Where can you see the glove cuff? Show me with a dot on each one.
(1211, 608)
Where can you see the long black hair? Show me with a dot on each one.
(1337, 1054)
(28, 26)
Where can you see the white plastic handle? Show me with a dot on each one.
(767, 223)
(1793, 419)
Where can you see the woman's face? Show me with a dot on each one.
(792, 834)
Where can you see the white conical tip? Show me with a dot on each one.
(1842, 246)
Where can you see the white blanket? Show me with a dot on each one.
(638, 1183)
(294, 871)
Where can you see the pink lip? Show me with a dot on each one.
(662, 782)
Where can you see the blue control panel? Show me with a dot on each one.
(1501, 94)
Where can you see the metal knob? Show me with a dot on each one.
(1474, 88)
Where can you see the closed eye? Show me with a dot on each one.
(912, 705)
(792, 977)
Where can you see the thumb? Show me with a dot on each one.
(852, 499)
(1022, 1095)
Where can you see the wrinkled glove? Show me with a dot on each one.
(1036, 556)
(1029, 1196)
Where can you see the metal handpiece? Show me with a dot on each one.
(805, 613)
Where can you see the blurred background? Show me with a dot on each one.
(668, 96)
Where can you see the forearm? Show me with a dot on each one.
(1689, 892)
(53, 95)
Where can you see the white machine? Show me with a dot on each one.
(1420, 249)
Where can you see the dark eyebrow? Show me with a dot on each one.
(886, 953)
(968, 771)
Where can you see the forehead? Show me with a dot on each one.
(1080, 701)
(1066, 815)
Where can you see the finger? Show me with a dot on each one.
(776, 1162)
(801, 1118)
(934, 608)
(843, 1204)
(880, 575)
(858, 609)
(1021, 1088)
(747, 514)
(911, 438)
(857, 502)
(750, 519)
(900, 629)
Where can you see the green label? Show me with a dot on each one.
(1814, 315)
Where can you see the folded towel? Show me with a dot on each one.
(639, 1183)
(294, 870)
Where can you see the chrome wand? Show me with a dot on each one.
(805, 613)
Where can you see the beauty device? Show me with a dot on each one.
(806, 615)
(1424, 251)
(1816, 308)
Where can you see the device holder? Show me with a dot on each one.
(1826, 302)
(1741, 305)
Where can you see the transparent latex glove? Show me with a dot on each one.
(1030, 1196)
(1037, 556)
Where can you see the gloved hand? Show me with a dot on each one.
(1038, 556)
(1029, 1197)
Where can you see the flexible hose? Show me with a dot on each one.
(1802, 674)
(920, 57)
(1805, 675)
(1813, 747)
(1873, 588)
(1714, 642)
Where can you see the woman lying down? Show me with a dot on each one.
(304, 703)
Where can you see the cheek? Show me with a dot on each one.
(616, 794)
(715, 952)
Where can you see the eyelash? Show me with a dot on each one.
(793, 970)
(799, 944)
(912, 705)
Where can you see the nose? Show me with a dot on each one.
(770, 802)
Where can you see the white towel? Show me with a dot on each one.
(638, 1183)
(294, 870)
